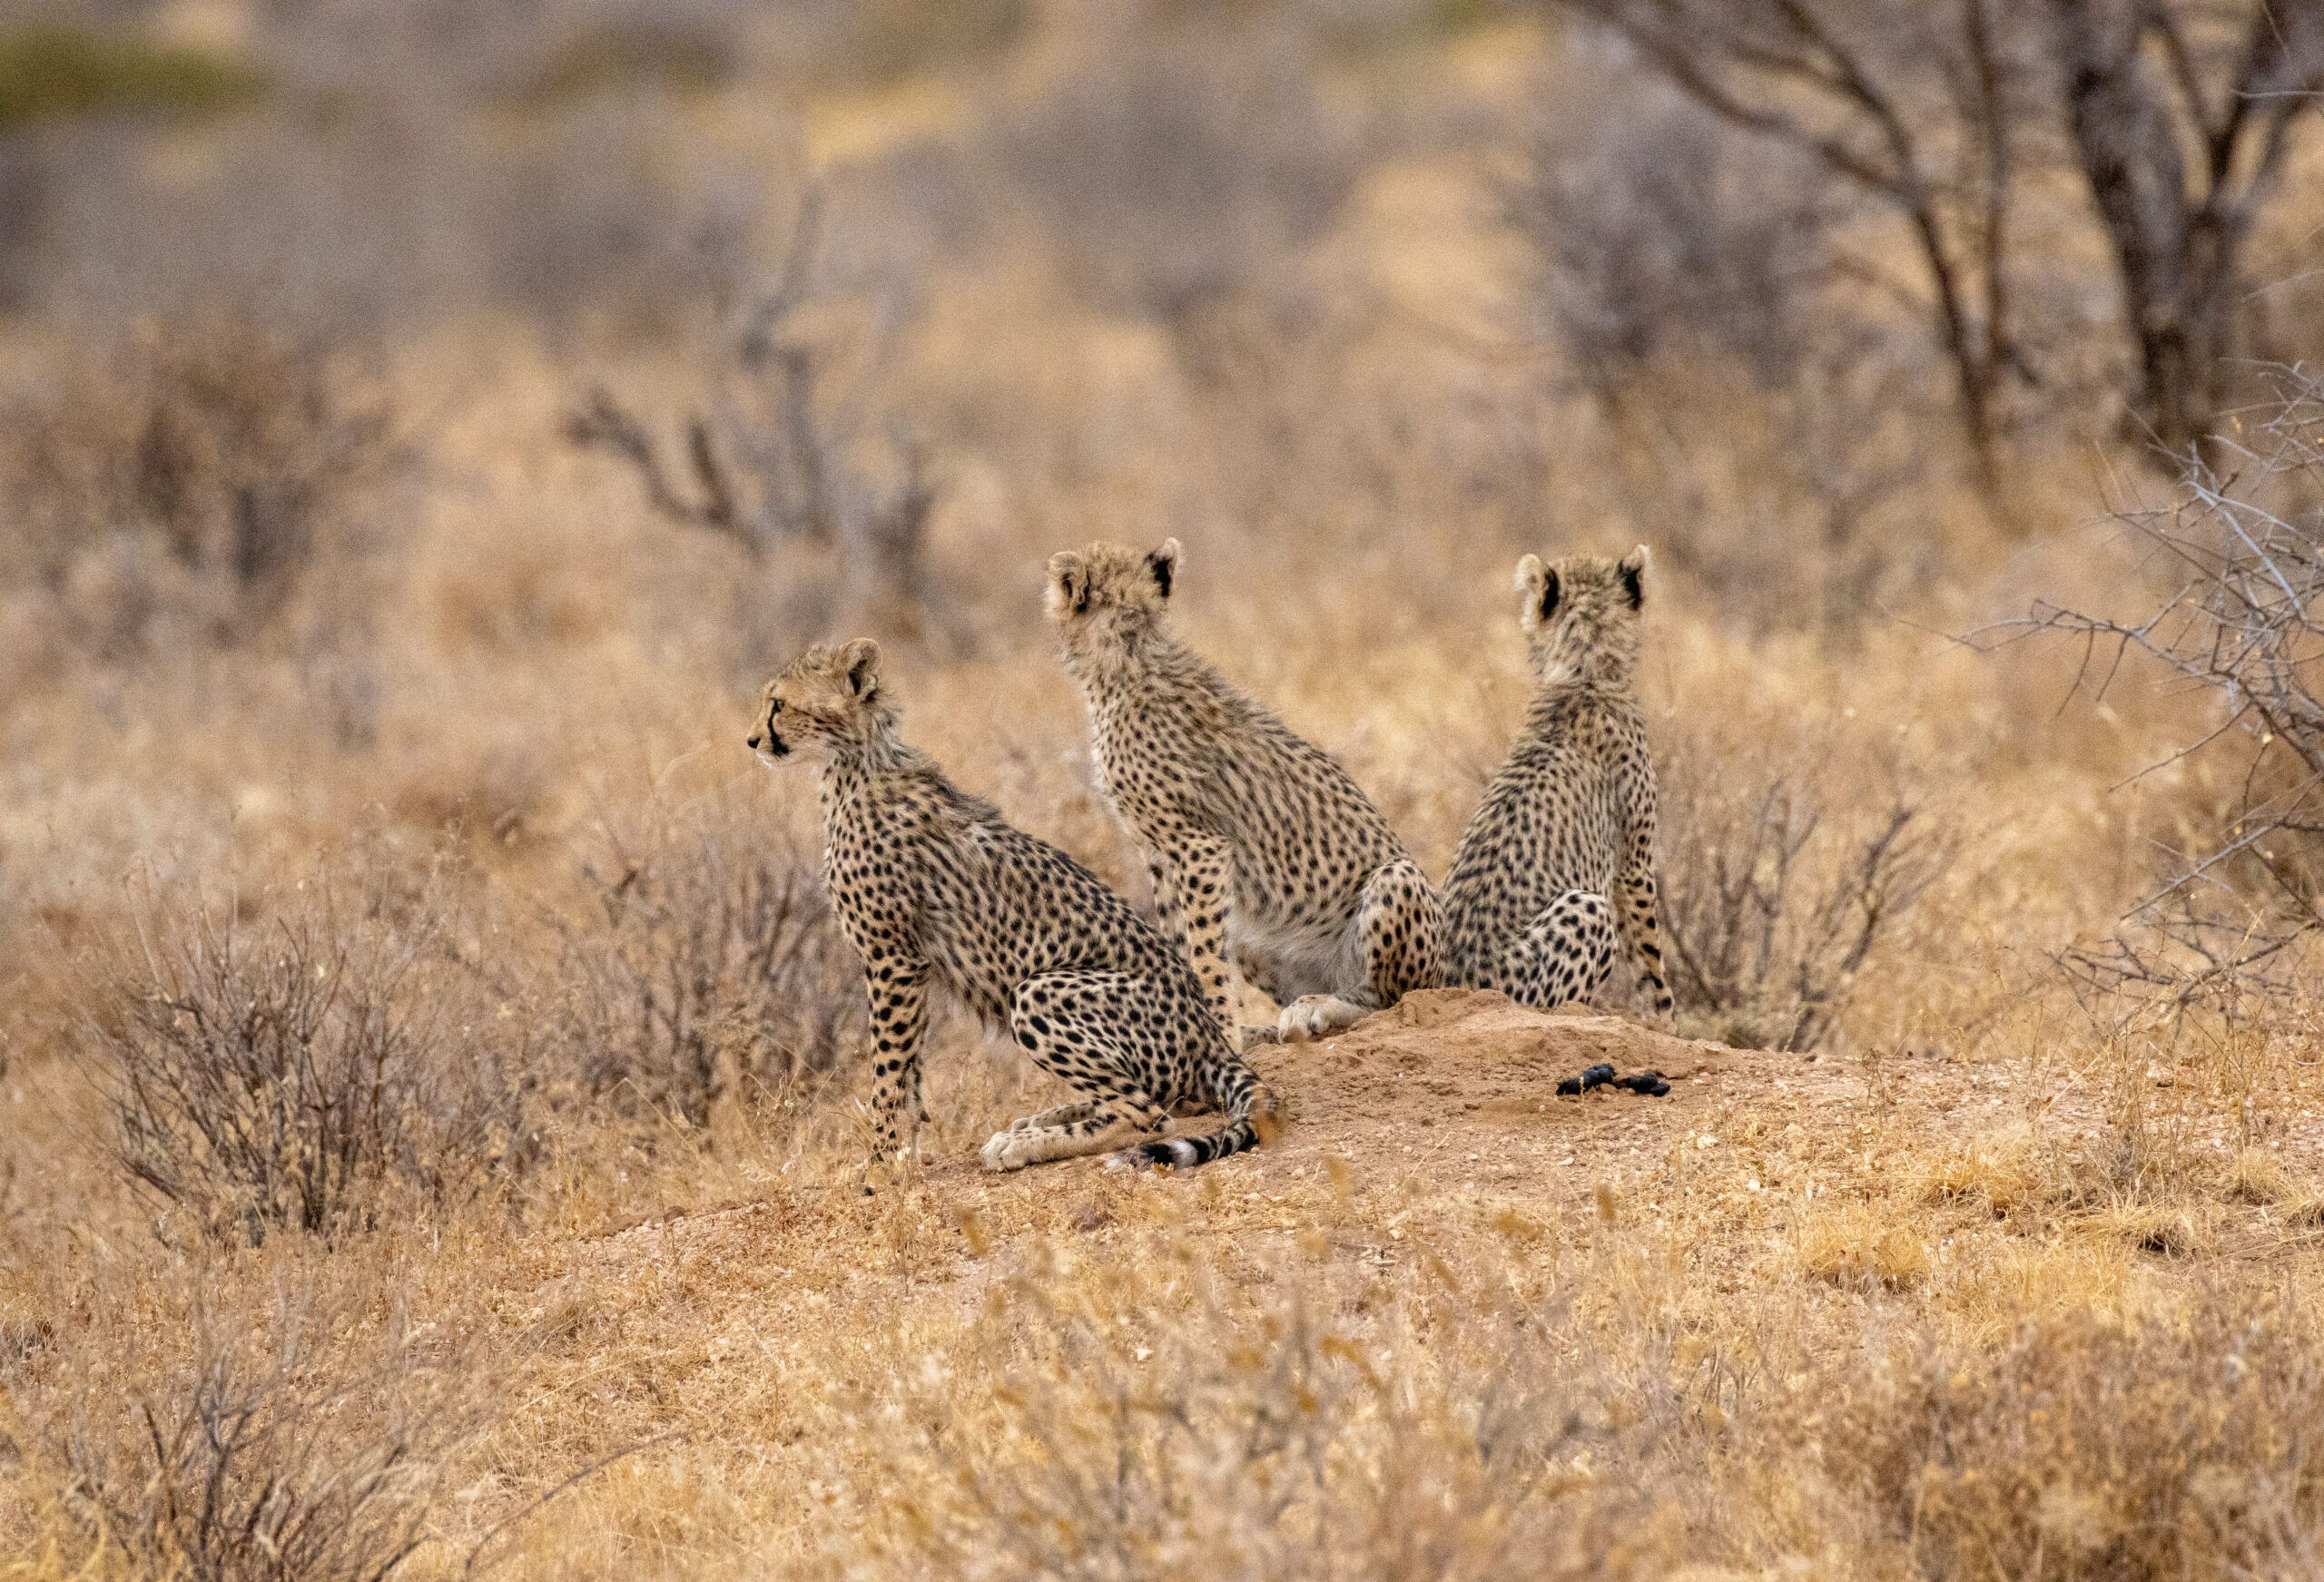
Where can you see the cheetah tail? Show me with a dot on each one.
(1244, 1102)
(1185, 1152)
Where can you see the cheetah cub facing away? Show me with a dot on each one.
(1558, 861)
(1263, 851)
(934, 887)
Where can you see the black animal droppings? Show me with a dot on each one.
(1649, 1083)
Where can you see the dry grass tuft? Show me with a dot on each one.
(1114, 1440)
(251, 1446)
(1854, 1247)
(2001, 1175)
(2153, 1450)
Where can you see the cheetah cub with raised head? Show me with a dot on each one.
(1262, 850)
(934, 887)
(1557, 867)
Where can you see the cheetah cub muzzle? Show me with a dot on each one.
(1556, 873)
(1263, 853)
(933, 886)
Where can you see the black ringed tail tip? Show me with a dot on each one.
(1189, 1153)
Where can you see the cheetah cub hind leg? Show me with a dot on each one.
(1401, 926)
(1103, 1125)
(1565, 953)
(1064, 1114)
(1071, 1023)
(1398, 937)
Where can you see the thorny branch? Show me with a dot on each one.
(2244, 624)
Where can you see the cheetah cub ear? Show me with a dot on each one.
(1068, 591)
(861, 662)
(1633, 569)
(1537, 585)
(1164, 564)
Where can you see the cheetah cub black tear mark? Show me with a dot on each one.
(934, 887)
(1556, 871)
(1263, 853)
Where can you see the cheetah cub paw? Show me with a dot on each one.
(1007, 1151)
(1313, 1015)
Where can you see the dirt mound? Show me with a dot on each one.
(1468, 1052)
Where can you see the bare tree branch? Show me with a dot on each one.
(785, 449)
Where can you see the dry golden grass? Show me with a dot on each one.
(1990, 1283)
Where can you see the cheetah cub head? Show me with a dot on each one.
(1579, 615)
(824, 704)
(1103, 597)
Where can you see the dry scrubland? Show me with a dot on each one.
(427, 1067)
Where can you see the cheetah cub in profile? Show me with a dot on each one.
(1559, 862)
(934, 887)
(1263, 851)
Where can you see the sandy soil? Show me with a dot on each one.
(1449, 1096)
(1451, 1089)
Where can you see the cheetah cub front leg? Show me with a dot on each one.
(1193, 889)
(897, 987)
(1641, 933)
(1398, 934)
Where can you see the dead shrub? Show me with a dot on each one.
(1659, 234)
(252, 1455)
(606, 224)
(1752, 413)
(281, 1073)
(878, 42)
(2235, 919)
(784, 449)
(2085, 1449)
(1775, 892)
(681, 49)
(203, 468)
(712, 967)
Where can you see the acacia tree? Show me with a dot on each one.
(1914, 109)
(2146, 83)
(1938, 111)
